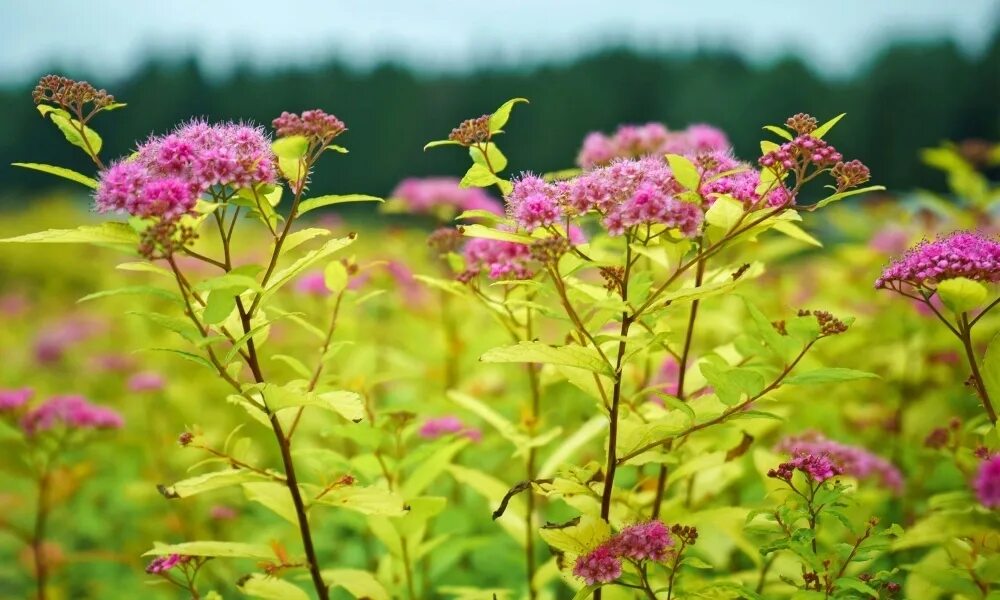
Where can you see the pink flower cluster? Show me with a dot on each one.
(447, 425)
(851, 460)
(162, 564)
(430, 195)
(146, 381)
(11, 400)
(53, 341)
(638, 141)
(317, 125)
(987, 482)
(500, 259)
(168, 173)
(961, 254)
(626, 193)
(801, 152)
(643, 541)
(72, 412)
(818, 467)
(721, 174)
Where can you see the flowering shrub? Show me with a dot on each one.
(643, 369)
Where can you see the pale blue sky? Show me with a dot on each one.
(108, 38)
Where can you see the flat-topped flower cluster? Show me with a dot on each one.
(643, 541)
(960, 254)
(168, 173)
(850, 460)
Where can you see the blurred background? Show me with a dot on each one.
(909, 73)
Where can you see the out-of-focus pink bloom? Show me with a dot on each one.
(852, 460)
(52, 342)
(13, 304)
(146, 381)
(312, 283)
(987, 482)
(221, 512)
(890, 240)
(72, 412)
(113, 362)
(14, 399)
(650, 139)
(432, 194)
(413, 292)
(447, 425)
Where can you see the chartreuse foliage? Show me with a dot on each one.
(605, 390)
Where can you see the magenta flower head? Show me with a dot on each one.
(650, 139)
(600, 565)
(162, 564)
(11, 400)
(961, 254)
(442, 196)
(817, 467)
(447, 425)
(850, 460)
(312, 283)
(146, 381)
(987, 482)
(499, 259)
(644, 541)
(70, 412)
(168, 173)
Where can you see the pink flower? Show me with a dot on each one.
(220, 512)
(447, 425)
(987, 482)
(315, 124)
(600, 565)
(644, 541)
(72, 412)
(651, 139)
(537, 210)
(146, 381)
(162, 564)
(961, 254)
(52, 342)
(14, 399)
(851, 460)
(432, 195)
(500, 259)
(817, 467)
(168, 173)
(312, 283)
(889, 240)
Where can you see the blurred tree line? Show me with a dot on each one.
(911, 96)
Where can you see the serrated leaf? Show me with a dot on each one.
(481, 231)
(684, 171)
(825, 128)
(501, 115)
(961, 294)
(214, 549)
(292, 147)
(537, 352)
(478, 175)
(779, 131)
(208, 482)
(60, 172)
(331, 199)
(266, 587)
(88, 140)
(437, 143)
(360, 584)
(828, 375)
(841, 195)
(111, 233)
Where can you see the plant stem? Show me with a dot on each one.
(616, 394)
(285, 447)
(965, 330)
(661, 482)
(38, 537)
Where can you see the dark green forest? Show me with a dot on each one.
(908, 97)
